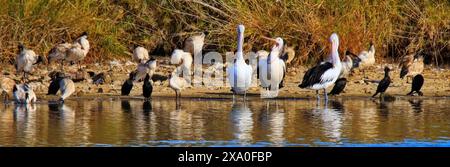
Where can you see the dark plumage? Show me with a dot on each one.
(417, 84)
(313, 75)
(355, 59)
(339, 86)
(147, 88)
(384, 83)
(56, 77)
(128, 85)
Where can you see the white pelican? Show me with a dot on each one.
(143, 69)
(183, 59)
(326, 73)
(140, 54)
(78, 50)
(25, 60)
(240, 73)
(66, 87)
(411, 65)
(24, 94)
(272, 69)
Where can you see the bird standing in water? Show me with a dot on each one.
(239, 73)
(416, 85)
(384, 83)
(339, 86)
(147, 88)
(272, 69)
(326, 73)
(128, 84)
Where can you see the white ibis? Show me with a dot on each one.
(411, 65)
(366, 58)
(177, 84)
(143, 69)
(25, 61)
(78, 50)
(272, 69)
(347, 65)
(140, 54)
(66, 87)
(24, 94)
(183, 59)
(326, 73)
(240, 73)
(384, 83)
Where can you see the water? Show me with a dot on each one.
(258, 123)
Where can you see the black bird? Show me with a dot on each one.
(147, 106)
(147, 88)
(384, 83)
(417, 84)
(339, 86)
(97, 78)
(53, 88)
(128, 84)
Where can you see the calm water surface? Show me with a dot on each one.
(116, 122)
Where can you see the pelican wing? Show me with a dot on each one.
(316, 75)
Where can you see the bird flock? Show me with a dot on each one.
(271, 69)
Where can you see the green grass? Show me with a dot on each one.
(396, 27)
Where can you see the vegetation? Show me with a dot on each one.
(397, 27)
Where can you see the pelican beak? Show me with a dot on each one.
(270, 39)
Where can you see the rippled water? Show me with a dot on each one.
(116, 122)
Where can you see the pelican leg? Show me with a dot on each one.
(325, 94)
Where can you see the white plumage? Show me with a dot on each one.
(184, 59)
(367, 57)
(140, 54)
(194, 44)
(143, 69)
(24, 94)
(58, 53)
(347, 66)
(78, 50)
(326, 73)
(177, 84)
(66, 87)
(272, 68)
(240, 73)
(25, 60)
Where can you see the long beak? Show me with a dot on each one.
(270, 39)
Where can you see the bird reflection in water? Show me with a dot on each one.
(276, 123)
(147, 106)
(125, 105)
(331, 119)
(242, 118)
(416, 105)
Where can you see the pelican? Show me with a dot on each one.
(140, 54)
(24, 94)
(143, 69)
(177, 84)
(66, 87)
(272, 69)
(417, 84)
(240, 73)
(184, 59)
(58, 53)
(79, 49)
(128, 85)
(7, 86)
(147, 87)
(366, 58)
(326, 73)
(25, 61)
(384, 83)
(411, 65)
